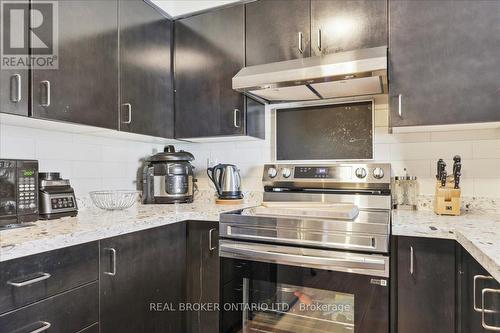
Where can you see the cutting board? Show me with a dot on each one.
(343, 211)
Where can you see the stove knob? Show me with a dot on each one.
(272, 172)
(360, 173)
(378, 173)
(286, 172)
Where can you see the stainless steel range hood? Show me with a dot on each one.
(346, 74)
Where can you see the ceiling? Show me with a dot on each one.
(176, 8)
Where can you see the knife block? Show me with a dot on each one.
(448, 199)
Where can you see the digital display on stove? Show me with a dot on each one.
(322, 172)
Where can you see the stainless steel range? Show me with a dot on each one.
(314, 256)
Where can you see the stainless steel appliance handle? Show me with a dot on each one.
(301, 38)
(45, 326)
(474, 288)
(483, 322)
(235, 118)
(47, 93)
(210, 245)
(411, 260)
(42, 276)
(302, 258)
(129, 111)
(15, 88)
(400, 108)
(319, 39)
(113, 261)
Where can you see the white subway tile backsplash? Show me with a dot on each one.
(83, 186)
(480, 168)
(483, 134)
(487, 187)
(22, 148)
(486, 149)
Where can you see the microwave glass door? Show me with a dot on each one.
(7, 188)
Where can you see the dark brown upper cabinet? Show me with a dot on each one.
(209, 51)
(340, 25)
(14, 82)
(277, 30)
(146, 89)
(84, 89)
(444, 62)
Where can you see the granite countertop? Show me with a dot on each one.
(93, 224)
(479, 234)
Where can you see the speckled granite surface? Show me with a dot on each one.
(93, 223)
(478, 232)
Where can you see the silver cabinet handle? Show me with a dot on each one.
(42, 276)
(47, 93)
(210, 245)
(319, 39)
(15, 88)
(113, 261)
(400, 108)
(301, 38)
(412, 255)
(235, 118)
(483, 322)
(45, 326)
(129, 111)
(474, 288)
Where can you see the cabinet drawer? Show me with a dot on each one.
(69, 312)
(33, 278)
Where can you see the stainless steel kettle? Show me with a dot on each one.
(227, 180)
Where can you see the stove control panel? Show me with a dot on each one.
(334, 173)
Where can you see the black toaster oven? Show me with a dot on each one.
(18, 191)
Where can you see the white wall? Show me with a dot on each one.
(92, 162)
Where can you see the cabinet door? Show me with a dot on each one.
(444, 63)
(14, 82)
(473, 277)
(277, 30)
(203, 275)
(143, 280)
(145, 70)
(84, 89)
(209, 51)
(425, 285)
(339, 25)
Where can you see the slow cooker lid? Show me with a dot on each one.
(169, 154)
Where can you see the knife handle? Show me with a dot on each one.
(457, 180)
(443, 178)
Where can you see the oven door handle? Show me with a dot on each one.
(310, 258)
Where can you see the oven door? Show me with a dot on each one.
(274, 288)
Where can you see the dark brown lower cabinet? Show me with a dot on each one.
(142, 277)
(202, 276)
(68, 312)
(473, 279)
(426, 285)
